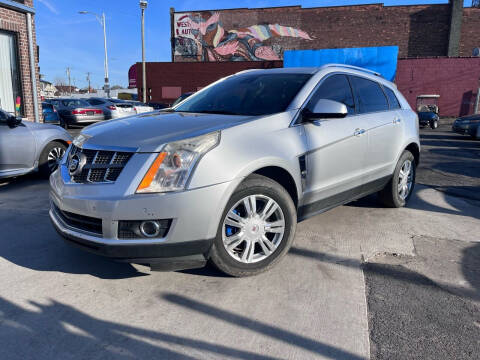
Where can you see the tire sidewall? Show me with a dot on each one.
(43, 160)
(407, 155)
(256, 186)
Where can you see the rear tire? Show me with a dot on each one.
(434, 124)
(400, 187)
(50, 157)
(261, 238)
(63, 123)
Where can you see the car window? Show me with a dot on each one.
(247, 94)
(392, 99)
(337, 88)
(74, 102)
(370, 96)
(3, 116)
(95, 102)
(47, 107)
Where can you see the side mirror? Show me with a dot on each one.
(325, 109)
(13, 121)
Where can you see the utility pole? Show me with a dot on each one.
(69, 82)
(143, 6)
(101, 20)
(88, 79)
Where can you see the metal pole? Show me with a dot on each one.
(107, 85)
(144, 78)
(33, 72)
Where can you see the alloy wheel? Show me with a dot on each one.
(253, 228)
(54, 157)
(405, 179)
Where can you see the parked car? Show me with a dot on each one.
(140, 107)
(77, 112)
(157, 106)
(182, 97)
(428, 118)
(467, 125)
(50, 114)
(226, 174)
(26, 146)
(113, 108)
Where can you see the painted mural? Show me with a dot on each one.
(203, 37)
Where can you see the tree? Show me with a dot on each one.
(116, 87)
(60, 81)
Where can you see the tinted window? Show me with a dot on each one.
(247, 94)
(75, 102)
(95, 102)
(370, 96)
(337, 88)
(3, 116)
(392, 99)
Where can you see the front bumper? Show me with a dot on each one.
(195, 216)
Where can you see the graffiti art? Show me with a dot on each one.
(203, 37)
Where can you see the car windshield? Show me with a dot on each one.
(247, 94)
(75, 103)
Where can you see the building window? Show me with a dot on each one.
(10, 90)
(171, 92)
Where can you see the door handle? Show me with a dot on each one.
(359, 132)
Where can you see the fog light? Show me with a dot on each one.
(150, 228)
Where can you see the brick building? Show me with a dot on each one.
(435, 46)
(263, 33)
(19, 79)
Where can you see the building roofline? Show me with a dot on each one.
(306, 8)
(13, 5)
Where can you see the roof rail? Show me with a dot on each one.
(354, 68)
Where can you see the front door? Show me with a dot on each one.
(336, 150)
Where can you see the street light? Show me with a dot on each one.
(143, 6)
(101, 20)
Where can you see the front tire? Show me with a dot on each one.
(256, 229)
(434, 124)
(50, 158)
(399, 189)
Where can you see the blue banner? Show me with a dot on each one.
(381, 59)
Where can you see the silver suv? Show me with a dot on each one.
(227, 173)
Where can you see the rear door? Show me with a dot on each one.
(336, 151)
(379, 123)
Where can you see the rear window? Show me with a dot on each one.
(392, 99)
(74, 102)
(369, 95)
(247, 94)
(95, 102)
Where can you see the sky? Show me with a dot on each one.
(69, 39)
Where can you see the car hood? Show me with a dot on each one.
(468, 117)
(147, 132)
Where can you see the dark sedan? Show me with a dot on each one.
(467, 125)
(77, 112)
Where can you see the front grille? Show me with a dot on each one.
(101, 165)
(80, 222)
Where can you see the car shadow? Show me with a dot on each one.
(28, 239)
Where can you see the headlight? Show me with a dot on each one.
(172, 167)
(80, 139)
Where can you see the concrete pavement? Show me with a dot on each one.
(59, 302)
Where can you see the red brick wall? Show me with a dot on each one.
(190, 76)
(17, 22)
(470, 31)
(418, 30)
(456, 80)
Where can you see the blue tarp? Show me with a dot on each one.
(381, 59)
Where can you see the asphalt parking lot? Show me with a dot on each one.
(360, 282)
